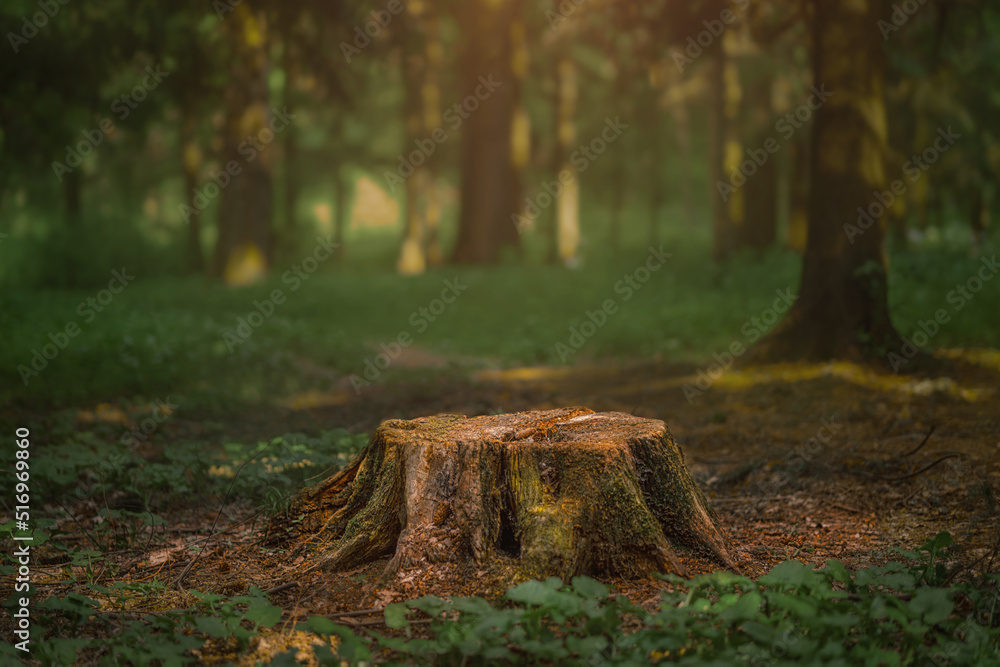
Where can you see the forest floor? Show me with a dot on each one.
(806, 462)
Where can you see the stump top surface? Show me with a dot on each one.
(578, 425)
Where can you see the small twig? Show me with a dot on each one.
(845, 508)
(748, 498)
(363, 624)
(922, 470)
(922, 443)
(357, 612)
(82, 529)
(211, 532)
(902, 502)
(282, 587)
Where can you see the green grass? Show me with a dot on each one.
(164, 336)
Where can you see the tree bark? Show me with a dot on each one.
(558, 492)
(490, 189)
(842, 309)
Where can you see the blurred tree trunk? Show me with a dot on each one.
(568, 201)
(721, 228)
(735, 209)
(244, 249)
(682, 130)
(842, 307)
(657, 182)
(191, 159)
(412, 259)
(977, 217)
(339, 210)
(431, 98)
(490, 189)
(72, 195)
(551, 217)
(798, 194)
(290, 143)
(620, 184)
(761, 200)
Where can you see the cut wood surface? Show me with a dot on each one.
(556, 492)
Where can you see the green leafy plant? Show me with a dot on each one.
(898, 613)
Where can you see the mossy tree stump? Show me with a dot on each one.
(558, 492)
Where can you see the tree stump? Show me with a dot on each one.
(557, 492)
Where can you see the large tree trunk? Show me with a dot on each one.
(559, 492)
(490, 190)
(842, 309)
(243, 250)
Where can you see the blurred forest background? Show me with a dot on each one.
(220, 151)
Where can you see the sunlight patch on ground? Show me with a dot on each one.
(273, 641)
(526, 374)
(853, 373)
(987, 358)
(307, 400)
(748, 378)
(105, 412)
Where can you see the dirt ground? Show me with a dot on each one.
(817, 462)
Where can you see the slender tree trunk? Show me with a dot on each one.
(658, 184)
(412, 259)
(798, 194)
(721, 228)
(977, 217)
(490, 190)
(290, 143)
(432, 114)
(72, 194)
(682, 126)
(842, 308)
(191, 159)
(243, 251)
(761, 200)
(339, 210)
(558, 158)
(617, 209)
(733, 154)
(568, 201)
